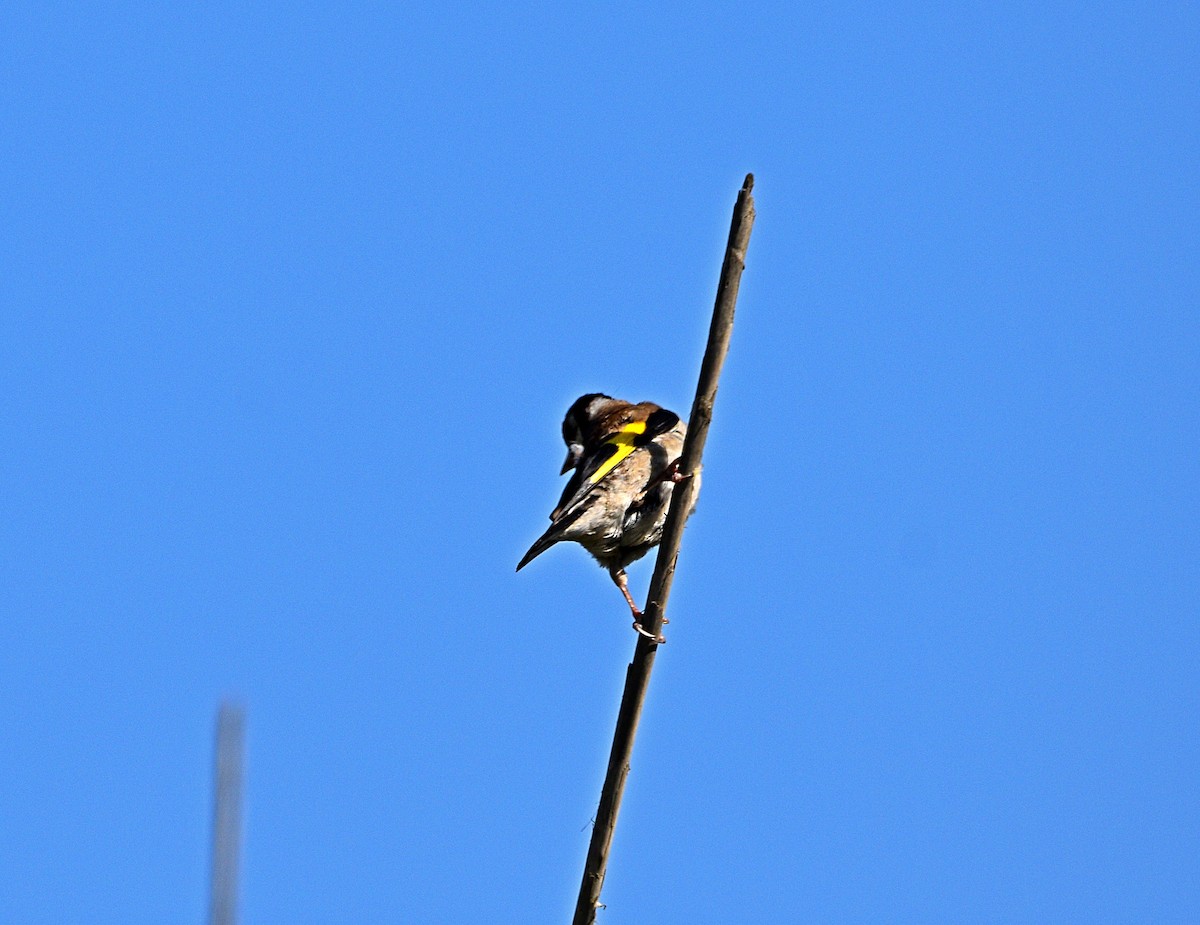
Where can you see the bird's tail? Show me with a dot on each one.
(544, 542)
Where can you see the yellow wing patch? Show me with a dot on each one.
(624, 442)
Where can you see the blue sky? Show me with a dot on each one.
(293, 300)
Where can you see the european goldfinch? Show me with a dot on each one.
(615, 503)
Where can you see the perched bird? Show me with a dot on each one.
(625, 461)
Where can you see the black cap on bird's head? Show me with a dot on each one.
(577, 426)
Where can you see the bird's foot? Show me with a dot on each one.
(674, 476)
(659, 639)
(638, 615)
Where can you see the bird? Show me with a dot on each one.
(625, 458)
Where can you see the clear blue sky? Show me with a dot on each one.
(292, 300)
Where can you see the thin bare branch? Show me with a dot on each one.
(227, 816)
(637, 677)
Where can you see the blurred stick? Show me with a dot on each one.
(637, 677)
(227, 816)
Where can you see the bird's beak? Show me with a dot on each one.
(574, 451)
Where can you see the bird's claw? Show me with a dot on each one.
(659, 639)
(674, 476)
(670, 474)
(638, 615)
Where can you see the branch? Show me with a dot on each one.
(227, 816)
(637, 678)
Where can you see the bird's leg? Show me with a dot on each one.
(621, 580)
(670, 474)
(673, 475)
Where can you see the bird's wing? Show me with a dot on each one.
(594, 469)
(608, 455)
